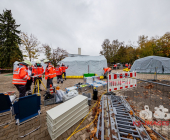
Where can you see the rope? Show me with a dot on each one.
(83, 121)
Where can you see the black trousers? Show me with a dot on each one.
(28, 84)
(59, 78)
(21, 89)
(64, 75)
(49, 81)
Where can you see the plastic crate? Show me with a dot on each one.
(98, 86)
(82, 89)
(71, 88)
(49, 101)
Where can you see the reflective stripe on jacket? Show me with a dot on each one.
(58, 70)
(20, 75)
(50, 71)
(64, 68)
(38, 71)
(109, 69)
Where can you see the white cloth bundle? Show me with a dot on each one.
(70, 94)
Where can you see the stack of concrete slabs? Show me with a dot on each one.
(65, 115)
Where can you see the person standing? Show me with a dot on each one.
(64, 70)
(129, 67)
(106, 70)
(38, 70)
(59, 72)
(20, 77)
(29, 82)
(49, 73)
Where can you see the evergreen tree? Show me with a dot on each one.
(9, 40)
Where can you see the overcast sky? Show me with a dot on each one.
(71, 24)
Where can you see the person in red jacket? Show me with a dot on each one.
(64, 70)
(38, 70)
(59, 72)
(20, 77)
(129, 67)
(49, 73)
(106, 70)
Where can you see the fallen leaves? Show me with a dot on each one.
(107, 138)
(148, 129)
(129, 136)
(153, 137)
(150, 132)
(149, 86)
(143, 134)
(113, 115)
(131, 112)
(113, 132)
(87, 126)
(6, 126)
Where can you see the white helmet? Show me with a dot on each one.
(38, 61)
(27, 62)
(46, 60)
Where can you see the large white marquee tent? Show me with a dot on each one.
(84, 64)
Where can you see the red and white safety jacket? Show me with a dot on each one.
(107, 70)
(38, 70)
(58, 70)
(20, 75)
(50, 71)
(64, 68)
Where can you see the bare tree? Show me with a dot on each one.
(57, 55)
(30, 45)
(54, 55)
(47, 50)
(106, 50)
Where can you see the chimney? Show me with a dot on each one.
(79, 51)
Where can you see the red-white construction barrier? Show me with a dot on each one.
(118, 81)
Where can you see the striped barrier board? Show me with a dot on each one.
(118, 81)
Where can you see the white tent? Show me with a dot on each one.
(79, 65)
(151, 64)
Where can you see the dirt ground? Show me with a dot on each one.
(10, 132)
(153, 95)
(136, 96)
